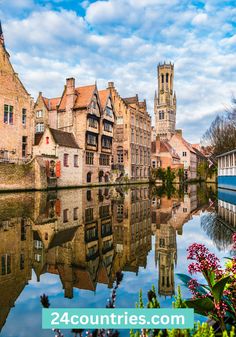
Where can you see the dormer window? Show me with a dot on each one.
(39, 114)
(109, 111)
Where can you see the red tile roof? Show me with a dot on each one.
(84, 96)
(103, 95)
(51, 103)
(166, 147)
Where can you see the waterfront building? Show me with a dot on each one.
(62, 158)
(163, 155)
(81, 112)
(45, 114)
(165, 102)
(132, 137)
(16, 112)
(227, 170)
(187, 154)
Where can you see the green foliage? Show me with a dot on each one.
(200, 330)
(179, 302)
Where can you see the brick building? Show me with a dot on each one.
(132, 138)
(62, 156)
(164, 155)
(89, 114)
(45, 113)
(16, 112)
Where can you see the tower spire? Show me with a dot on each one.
(1, 36)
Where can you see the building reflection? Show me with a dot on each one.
(220, 225)
(15, 249)
(169, 214)
(85, 236)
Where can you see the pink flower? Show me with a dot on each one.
(205, 261)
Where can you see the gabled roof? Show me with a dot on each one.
(63, 138)
(63, 236)
(37, 138)
(166, 147)
(131, 100)
(51, 103)
(84, 95)
(199, 153)
(188, 145)
(103, 95)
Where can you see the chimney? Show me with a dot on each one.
(70, 93)
(70, 86)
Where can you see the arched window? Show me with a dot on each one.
(89, 177)
(162, 78)
(167, 78)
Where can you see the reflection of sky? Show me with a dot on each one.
(24, 319)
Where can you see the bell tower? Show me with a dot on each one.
(165, 102)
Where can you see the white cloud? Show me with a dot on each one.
(123, 42)
(200, 19)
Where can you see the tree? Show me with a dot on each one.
(221, 135)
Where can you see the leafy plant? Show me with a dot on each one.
(217, 297)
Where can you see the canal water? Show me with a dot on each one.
(70, 245)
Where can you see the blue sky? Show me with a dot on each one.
(123, 41)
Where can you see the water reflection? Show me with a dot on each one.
(86, 236)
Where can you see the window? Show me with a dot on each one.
(107, 127)
(109, 111)
(184, 154)
(89, 177)
(89, 158)
(76, 160)
(91, 139)
(106, 142)
(39, 113)
(24, 146)
(93, 123)
(66, 160)
(75, 213)
(161, 115)
(6, 264)
(8, 114)
(23, 230)
(120, 156)
(89, 214)
(22, 261)
(24, 116)
(47, 140)
(37, 257)
(104, 159)
(132, 136)
(119, 120)
(39, 127)
(65, 215)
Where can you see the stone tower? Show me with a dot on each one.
(165, 102)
